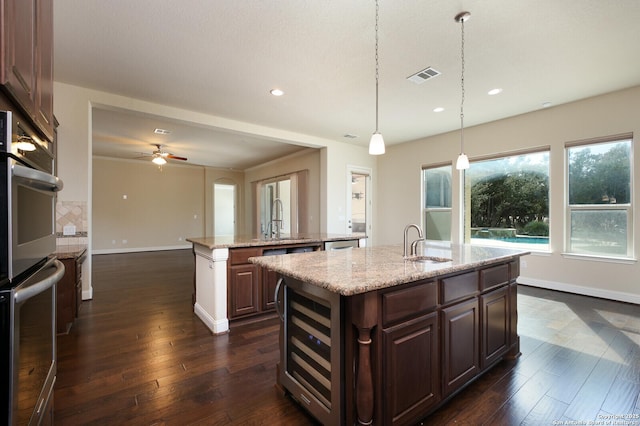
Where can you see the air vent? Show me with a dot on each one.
(161, 131)
(424, 75)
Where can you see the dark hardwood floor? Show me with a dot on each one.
(138, 355)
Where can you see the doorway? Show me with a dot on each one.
(224, 210)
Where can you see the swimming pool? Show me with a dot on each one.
(525, 239)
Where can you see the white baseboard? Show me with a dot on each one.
(87, 294)
(140, 249)
(577, 289)
(216, 327)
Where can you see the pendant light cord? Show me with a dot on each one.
(377, 71)
(462, 85)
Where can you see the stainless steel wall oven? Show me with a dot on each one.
(28, 272)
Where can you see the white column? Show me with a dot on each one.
(211, 288)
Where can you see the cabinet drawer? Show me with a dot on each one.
(409, 302)
(459, 287)
(494, 276)
(241, 256)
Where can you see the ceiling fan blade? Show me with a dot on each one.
(175, 157)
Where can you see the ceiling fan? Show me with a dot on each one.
(159, 156)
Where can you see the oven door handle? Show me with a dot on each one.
(42, 285)
(37, 179)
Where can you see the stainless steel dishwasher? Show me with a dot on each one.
(340, 245)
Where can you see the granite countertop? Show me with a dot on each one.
(71, 251)
(253, 241)
(360, 270)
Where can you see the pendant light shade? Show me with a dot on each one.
(463, 161)
(376, 144)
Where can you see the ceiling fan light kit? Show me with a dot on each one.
(159, 156)
(159, 160)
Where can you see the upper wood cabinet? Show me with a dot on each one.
(27, 58)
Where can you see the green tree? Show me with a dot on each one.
(510, 200)
(600, 177)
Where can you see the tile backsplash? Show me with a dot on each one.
(71, 222)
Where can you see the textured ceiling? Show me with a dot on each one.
(221, 57)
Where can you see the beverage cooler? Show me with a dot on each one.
(311, 366)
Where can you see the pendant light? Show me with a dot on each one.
(463, 160)
(376, 144)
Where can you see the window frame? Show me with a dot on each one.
(626, 207)
(466, 186)
(424, 208)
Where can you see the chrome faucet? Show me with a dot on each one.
(415, 243)
(276, 219)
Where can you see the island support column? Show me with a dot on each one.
(211, 287)
(365, 318)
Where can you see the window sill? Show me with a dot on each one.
(595, 258)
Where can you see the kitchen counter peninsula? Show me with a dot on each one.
(228, 287)
(371, 337)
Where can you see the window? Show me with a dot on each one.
(509, 201)
(599, 207)
(437, 202)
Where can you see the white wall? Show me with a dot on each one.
(399, 176)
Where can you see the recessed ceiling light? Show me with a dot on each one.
(161, 131)
(494, 91)
(438, 109)
(277, 92)
(546, 104)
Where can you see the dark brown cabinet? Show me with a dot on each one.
(433, 337)
(251, 289)
(411, 358)
(461, 344)
(495, 325)
(69, 293)
(27, 58)
(244, 282)
(269, 283)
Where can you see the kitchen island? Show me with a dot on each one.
(369, 336)
(228, 287)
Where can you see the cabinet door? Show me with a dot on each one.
(461, 344)
(44, 66)
(495, 325)
(243, 290)
(411, 372)
(269, 282)
(65, 297)
(19, 50)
